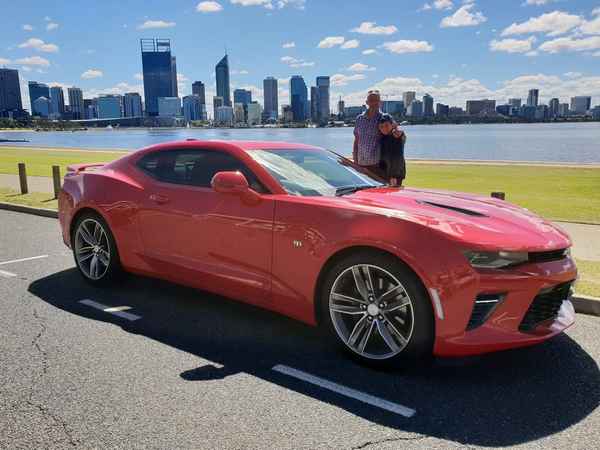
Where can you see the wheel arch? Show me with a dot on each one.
(343, 253)
(81, 211)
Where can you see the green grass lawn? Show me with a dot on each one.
(559, 193)
(35, 199)
(589, 278)
(39, 162)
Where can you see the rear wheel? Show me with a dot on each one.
(95, 250)
(377, 309)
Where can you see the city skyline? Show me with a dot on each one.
(453, 50)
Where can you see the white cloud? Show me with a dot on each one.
(360, 67)
(573, 74)
(138, 76)
(239, 72)
(425, 7)
(352, 43)
(342, 80)
(463, 17)
(4, 61)
(438, 4)
(119, 88)
(51, 26)
(39, 45)
(537, 2)
(554, 23)
(592, 26)
(149, 24)
(271, 4)
(27, 27)
(596, 11)
(408, 46)
(289, 44)
(331, 41)
(372, 28)
(91, 73)
(571, 44)
(34, 61)
(209, 7)
(512, 45)
(369, 51)
(294, 62)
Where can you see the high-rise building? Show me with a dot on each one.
(160, 76)
(224, 115)
(553, 107)
(108, 106)
(427, 105)
(192, 108)
(351, 112)
(217, 103)
(408, 97)
(41, 106)
(533, 97)
(271, 98)
(481, 107)
(442, 110)
(299, 98)
(415, 109)
(132, 105)
(514, 102)
(242, 96)
(323, 108)
(563, 109)
(254, 113)
(239, 114)
(76, 103)
(199, 90)
(222, 76)
(37, 90)
(169, 107)
(10, 91)
(174, 89)
(393, 107)
(57, 102)
(89, 109)
(314, 104)
(341, 107)
(287, 113)
(581, 104)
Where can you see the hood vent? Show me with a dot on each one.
(467, 212)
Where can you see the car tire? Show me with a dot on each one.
(95, 250)
(401, 322)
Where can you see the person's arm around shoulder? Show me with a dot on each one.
(355, 145)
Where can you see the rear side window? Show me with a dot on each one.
(194, 167)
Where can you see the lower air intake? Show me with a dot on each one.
(545, 306)
(482, 309)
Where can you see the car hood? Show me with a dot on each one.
(482, 222)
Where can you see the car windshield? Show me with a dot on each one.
(310, 172)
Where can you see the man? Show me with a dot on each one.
(367, 138)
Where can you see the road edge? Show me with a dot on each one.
(583, 304)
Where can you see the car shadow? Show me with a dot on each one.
(502, 399)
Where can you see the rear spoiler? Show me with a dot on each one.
(74, 169)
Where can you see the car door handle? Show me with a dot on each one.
(160, 199)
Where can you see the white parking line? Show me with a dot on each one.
(114, 310)
(23, 259)
(7, 274)
(346, 391)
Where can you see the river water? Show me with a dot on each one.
(547, 142)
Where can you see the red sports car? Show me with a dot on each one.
(394, 274)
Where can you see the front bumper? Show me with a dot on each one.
(503, 328)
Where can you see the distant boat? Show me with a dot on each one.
(109, 127)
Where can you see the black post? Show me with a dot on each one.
(56, 180)
(23, 178)
(499, 195)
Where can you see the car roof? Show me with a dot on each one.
(242, 145)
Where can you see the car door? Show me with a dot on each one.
(214, 241)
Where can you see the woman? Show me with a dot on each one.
(392, 161)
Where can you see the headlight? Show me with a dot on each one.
(495, 260)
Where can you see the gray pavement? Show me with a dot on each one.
(195, 371)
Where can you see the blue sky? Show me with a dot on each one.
(453, 49)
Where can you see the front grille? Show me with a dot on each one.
(482, 309)
(553, 255)
(545, 306)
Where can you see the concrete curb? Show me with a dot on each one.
(583, 304)
(29, 210)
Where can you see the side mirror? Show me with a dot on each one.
(234, 183)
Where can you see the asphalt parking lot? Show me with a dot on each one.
(148, 364)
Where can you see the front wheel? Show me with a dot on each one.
(377, 309)
(95, 250)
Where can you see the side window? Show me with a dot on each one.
(194, 167)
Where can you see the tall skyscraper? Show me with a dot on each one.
(192, 108)
(57, 102)
(76, 102)
(132, 105)
(408, 97)
(10, 91)
(160, 76)
(481, 107)
(271, 98)
(553, 107)
(108, 106)
(341, 107)
(242, 96)
(169, 106)
(314, 104)
(415, 109)
(199, 90)
(37, 90)
(222, 76)
(174, 89)
(427, 105)
(299, 98)
(533, 97)
(514, 102)
(41, 106)
(323, 109)
(581, 104)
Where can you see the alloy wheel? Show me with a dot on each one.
(92, 249)
(371, 311)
